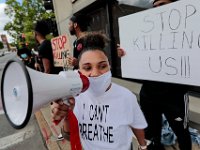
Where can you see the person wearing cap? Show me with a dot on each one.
(77, 26)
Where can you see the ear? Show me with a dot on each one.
(75, 25)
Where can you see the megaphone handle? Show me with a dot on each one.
(64, 100)
(56, 122)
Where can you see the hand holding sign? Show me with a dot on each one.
(72, 61)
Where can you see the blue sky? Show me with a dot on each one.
(3, 1)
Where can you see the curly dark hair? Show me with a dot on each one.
(92, 41)
(42, 27)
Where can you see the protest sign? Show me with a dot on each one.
(61, 50)
(163, 44)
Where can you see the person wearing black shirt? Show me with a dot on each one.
(77, 26)
(44, 48)
(25, 55)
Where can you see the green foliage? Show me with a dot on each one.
(24, 16)
(49, 36)
(12, 44)
(30, 39)
(1, 45)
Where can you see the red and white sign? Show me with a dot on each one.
(61, 49)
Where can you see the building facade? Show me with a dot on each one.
(104, 16)
(5, 42)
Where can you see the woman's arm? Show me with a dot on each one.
(47, 65)
(59, 111)
(139, 133)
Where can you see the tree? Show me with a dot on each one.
(24, 16)
(1, 45)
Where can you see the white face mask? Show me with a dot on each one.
(99, 85)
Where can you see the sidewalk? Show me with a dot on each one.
(50, 131)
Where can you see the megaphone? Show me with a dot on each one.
(1, 107)
(24, 90)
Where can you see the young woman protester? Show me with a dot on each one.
(108, 114)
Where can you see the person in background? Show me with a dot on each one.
(38, 63)
(44, 49)
(44, 59)
(157, 98)
(108, 114)
(25, 55)
(77, 26)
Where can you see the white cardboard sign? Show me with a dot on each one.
(163, 43)
(61, 49)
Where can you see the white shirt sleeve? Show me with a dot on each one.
(139, 120)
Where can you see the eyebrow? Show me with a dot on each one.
(87, 63)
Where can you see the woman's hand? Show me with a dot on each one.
(59, 110)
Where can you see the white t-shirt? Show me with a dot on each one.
(104, 122)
